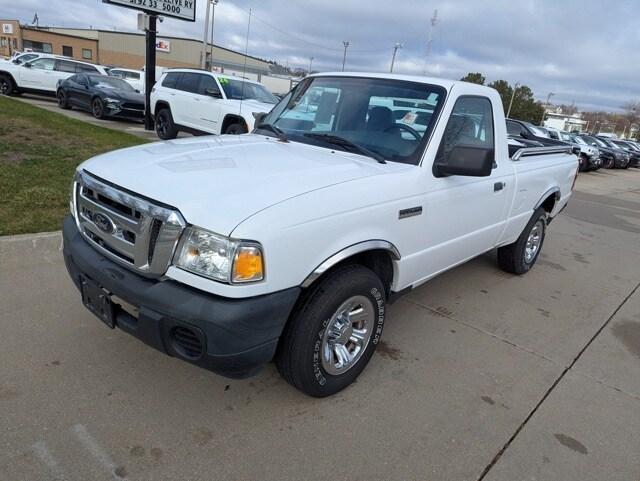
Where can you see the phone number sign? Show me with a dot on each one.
(182, 9)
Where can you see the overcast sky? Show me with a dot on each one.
(585, 51)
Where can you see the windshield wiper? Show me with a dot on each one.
(342, 142)
(282, 137)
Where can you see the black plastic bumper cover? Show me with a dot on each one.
(239, 335)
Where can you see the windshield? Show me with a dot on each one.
(538, 131)
(110, 83)
(578, 140)
(392, 118)
(240, 90)
(565, 136)
(597, 141)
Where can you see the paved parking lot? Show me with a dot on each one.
(482, 375)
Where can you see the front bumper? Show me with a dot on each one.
(237, 336)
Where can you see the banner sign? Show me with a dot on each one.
(163, 45)
(180, 9)
(7, 28)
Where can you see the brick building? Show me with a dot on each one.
(124, 49)
(14, 37)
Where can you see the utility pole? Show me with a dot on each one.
(515, 87)
(213, 18)
(150, 69)
(203, 56)
(434, 22)
(344, 57)
(310, 64)
(393, 58)
(546, 104)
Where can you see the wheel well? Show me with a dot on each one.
(9, 76)
(232, 119)
(377, 260)
(160, 106)
(549, 203)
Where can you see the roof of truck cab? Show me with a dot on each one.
(447, 84)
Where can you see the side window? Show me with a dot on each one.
(43, 64)
(470, 125)
(171, 80)
(189, 82)
(116, 73)
(83, 67)
(64, 66)
(132, 75)
(513, 128)
(207, 82)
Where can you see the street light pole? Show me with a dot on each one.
(344, 57)
(546, 104)
(203, 57)
(310, 64)
(213, 18)
(515, 88)
(393, 57)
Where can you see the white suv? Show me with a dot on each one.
(42, 74)
(199, 101)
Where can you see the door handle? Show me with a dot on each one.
(499, 186)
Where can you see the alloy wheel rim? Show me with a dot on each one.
(533, 242)
(4, 86)
(97, 109)
(347, 335)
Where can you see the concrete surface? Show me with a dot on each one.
(481, 375)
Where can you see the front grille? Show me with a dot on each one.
(187, 343)
(128, 228)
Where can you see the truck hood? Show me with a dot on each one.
(217, 182)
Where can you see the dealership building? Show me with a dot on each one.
(124, 49)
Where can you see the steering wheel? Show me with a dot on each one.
(406, 128)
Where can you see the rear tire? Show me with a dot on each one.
(7, 87)
(333, 333)
(165, 127)
(520, 256)
(236, 129)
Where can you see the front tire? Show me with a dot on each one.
(520, 256)
(97, 109)
(333, 333)
(165, 127)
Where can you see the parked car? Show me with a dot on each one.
(101, 95)
(135, 78)
(590, 156)
(197, 101)
(624, 153)
(526, 130)
(22, 57)
(611, 158)
(633, 148)
(289, 242)
(42, 74)
(630, 148)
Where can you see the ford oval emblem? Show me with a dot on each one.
(103, 223)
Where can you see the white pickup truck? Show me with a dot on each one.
(287, 243)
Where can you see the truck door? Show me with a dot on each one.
(37, 74)
(464, 216)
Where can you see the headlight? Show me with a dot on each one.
(110, 100)
(219, 258)
(72, 199)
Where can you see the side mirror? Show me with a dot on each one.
(466, 161)
(215, 93)
(16, 61)
(27, 65)
(259, 116)
(137, 91)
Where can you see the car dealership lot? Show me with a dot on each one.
(542, 368)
